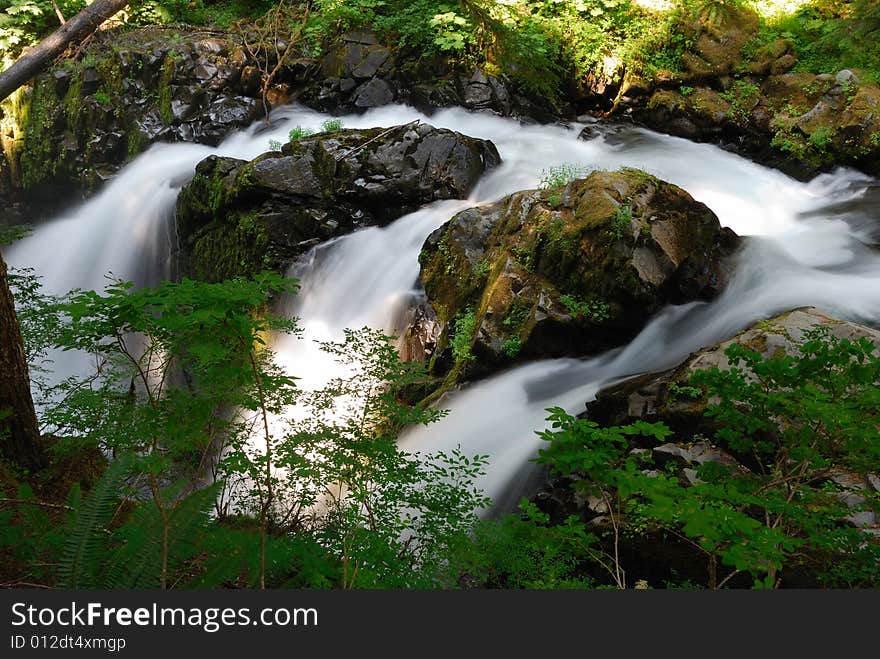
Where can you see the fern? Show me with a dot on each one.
(86, 529)
(34, 519)
(137, 561)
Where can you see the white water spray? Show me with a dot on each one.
(809, 250)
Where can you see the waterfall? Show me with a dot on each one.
(808, 246)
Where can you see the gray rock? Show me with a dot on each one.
(91, 80)
(294, 176)
(374, 59)
(672, 452)
(62, 81)
(361, 36)
(846, 77)
(373, 94)
(862, 519)
(205, 71)
(478, 95)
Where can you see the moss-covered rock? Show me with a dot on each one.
(85, 117)
(568, 271)
(747, 94)
(358, 73)
(236, 217)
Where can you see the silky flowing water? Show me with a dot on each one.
(810, 244)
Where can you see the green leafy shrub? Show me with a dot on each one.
(323, 499)
(299, 133)
(795, 419)
(332, 125)
(463, 338)
(621, 221)
(560, 175)
(594, 310)
(512, 347)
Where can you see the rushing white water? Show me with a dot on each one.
(809, 249)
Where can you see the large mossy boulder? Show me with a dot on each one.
(235, 217)
(567, 271)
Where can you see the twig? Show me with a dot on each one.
(34, 502)
(25, 584)
(360, 147)
(58, 13)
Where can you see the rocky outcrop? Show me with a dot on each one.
(83, 119)
(567, 271)
(750, 99)
(660, 397)
(359, 73)
(236, 217)
(87, 116)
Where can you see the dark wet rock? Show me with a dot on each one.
(359, 73)
(153, 85)
(171, 85)
(570, 271)
(373, 94)
(236, 217)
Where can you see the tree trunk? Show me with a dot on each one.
(44, 53)
(19, 432)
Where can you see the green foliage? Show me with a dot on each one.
(9, 234)
(524, 551)
(821, 137)
(829, 36)
(332, 125)
(274, 145)
(102, 97)
(621, 221)
(453, 32)
(556, 177)
(742, 96)
(684, 391)
(797, 419)
(24, 22)
(136, 555)
(519, 312)
(482, 268)
(512, 346)
(463, 337)
(85, 537)
(594, 310)
(385, 517)
(787, 142)
(319, 496)
(497, 36)
(299, 133)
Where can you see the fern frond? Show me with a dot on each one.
(85, 533)
(137, 562)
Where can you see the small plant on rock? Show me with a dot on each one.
(556, 177)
